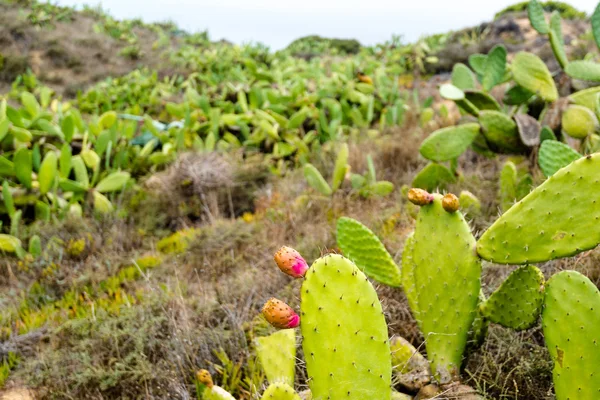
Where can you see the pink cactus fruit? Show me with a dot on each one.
(291, 262)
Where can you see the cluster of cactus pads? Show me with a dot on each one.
(441, 268)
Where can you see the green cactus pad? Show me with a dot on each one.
(433, 176)
(547, 134)
(571, 320)
(341, 167)
(556, 39)
(517, 95)
(530, 72)
(316, 180)
(537, 17)
(517, 303)
(494, 68)
(579, 122)
(469, 203)
(345, 338)
(554, 155)
(557, 219)
(586, 97)
(462, 77)
(584, 70)
(529, 129)
(280, 391)
(500, 132)
(449, 143)
(451, 92)
(482, 100)
(408, 276)
(277, 354)
(364, 248)
(596, 25)
(447, 279)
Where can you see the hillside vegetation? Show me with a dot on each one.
(446, 191)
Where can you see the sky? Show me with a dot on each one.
(276, 23)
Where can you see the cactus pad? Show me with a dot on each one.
(508, 185)
(494, 67)
(500, 132)
(517, 303)
(586, 97)
(280, 391)
(277, 354)
(571, 323)
(469, 203)
(316, 180)
(559, 218)
(462, 77)
(537, 17)
(433, 176)
(579, 122)
(364, 248)
(554, 155)
(530, 72)
(345, 338)
(447, 272)
(584, 70)
(482, 100)
(449, 143)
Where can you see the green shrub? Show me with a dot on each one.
(566, 10)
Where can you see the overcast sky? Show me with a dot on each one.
(277, 22)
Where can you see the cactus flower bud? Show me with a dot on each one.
(419, 197)
(291, 262)
(280, 315)
(204, 377)
(450, 203)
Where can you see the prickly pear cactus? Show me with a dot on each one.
(571, 323)
(345, 337)
(557, 219)
(482, 100)
(433, 176)
(586, 97)
(408, 276)
(364, 248)
(449, 143)
(554, 155)
(277, 354)
(508, 185)
(462, 77)
(217, 393)
(316, 180)
(517, 303)
(530, 72)
(500, 132)
(469, 202)
(579, 122)
(584, 70)
(280, 391)
(447, 272)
